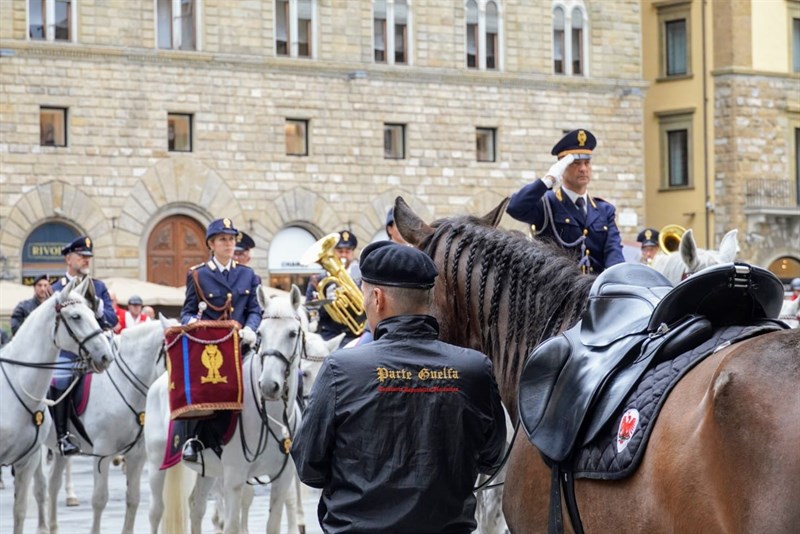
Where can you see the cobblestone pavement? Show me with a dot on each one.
(78, 520)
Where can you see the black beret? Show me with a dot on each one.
(580, 143)
(244, 241)
(82, 245)
(385, 263)
(648, 237)
(347, 240)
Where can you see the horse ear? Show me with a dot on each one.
(333, 343)
(688, 249)
(66, 290)
(493, 217)
(729, 247)
(262, 297)
(411, 227)
(294, 297)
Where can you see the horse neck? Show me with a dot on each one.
(133, 370)
(33, 343)
(538, 297)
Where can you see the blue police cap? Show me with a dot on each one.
(82, 245)
(385, 263)
(221, 226)
(579, 143)
(244, 241)
(648, 237)
(135, 300)
(347, 240)
(390, 217)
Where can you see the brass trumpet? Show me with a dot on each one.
(347, 306)
(669, 238)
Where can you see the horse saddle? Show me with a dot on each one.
(572, 384)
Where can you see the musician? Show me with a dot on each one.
(649, 240)
(397, 430)
(345, 248)
(229, 291)
(41, 292)
(77, 256)
(567, 215)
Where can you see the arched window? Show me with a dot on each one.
(570, 48)
(483, 35)
(294, 28)
(41, 253)
(285, 252)
(391, 31)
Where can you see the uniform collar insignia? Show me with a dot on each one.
(559, 195)
(211, 265)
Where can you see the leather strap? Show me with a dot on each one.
(224, 309)
(555, 524)
(572, 502)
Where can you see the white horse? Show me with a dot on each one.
(315, 352)
(689, 259)
(790, 313)
(63, 322)
(114, 419)
(258, 446)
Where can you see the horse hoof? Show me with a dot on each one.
(73, 501)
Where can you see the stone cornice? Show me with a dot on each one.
(356, 72)
(747, 71)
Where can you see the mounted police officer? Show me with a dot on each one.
(228, 290)
(567, 215)
(77, 256)
(397, 430)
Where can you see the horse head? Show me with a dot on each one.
(282, 330)
(689, 259)
(77, 329)
(317, 349)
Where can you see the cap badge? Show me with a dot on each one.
(88, 243)
(345, 236)
(226, 223)
(648, 234)
(239, 237)
(581, 138)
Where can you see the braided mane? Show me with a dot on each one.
(527, 291)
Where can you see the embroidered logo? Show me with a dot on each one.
(627, 427)
(212, 360)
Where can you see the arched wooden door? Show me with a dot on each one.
(175, 244)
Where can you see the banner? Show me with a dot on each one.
(204, 368)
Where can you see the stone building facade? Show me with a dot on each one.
(116, 178)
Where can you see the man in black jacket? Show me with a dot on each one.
(41, 292)
(396, 431)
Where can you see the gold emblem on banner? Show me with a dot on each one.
(212, 360)
(169, 374)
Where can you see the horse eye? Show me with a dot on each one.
(292, 334)
(76, 317)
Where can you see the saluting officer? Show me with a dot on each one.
(229, 291)
(77, 256)
(567, 215)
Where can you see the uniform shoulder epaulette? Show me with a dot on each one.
(243, 266)
(193, 267)
(600, 199)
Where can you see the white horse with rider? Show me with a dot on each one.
(65, 321)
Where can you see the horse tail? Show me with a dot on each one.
(177, 486)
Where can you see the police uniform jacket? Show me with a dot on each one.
(21, 312)
(570, 223)
(396, 431)
(109, 318)
(241, 283)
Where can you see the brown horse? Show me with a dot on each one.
(723, 456)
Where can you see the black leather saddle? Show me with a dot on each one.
(572, 384)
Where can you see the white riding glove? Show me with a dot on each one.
(99, 307)
(553, 177)
(247, 336)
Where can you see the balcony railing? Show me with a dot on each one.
(771, 193)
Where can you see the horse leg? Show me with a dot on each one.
(248, 494)
(198, 500)
(156, 477)
(219, 508)
(2, 484)
(54, 485)
(100, 492)
(281, 486)
(72, 499)
(23, 472)
(233, 504)
(40, 494)
(134, 463)
(301, 517)
(290, 503)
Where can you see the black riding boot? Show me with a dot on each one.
(193, 446)
(60, 414)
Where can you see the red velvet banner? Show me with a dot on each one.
(204, 367)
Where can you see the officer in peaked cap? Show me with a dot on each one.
(229, 291)
(566, 214)
(649, 240)
(391, 229)
(409, 399)
(241, 252)
(77, 256)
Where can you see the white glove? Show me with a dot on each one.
(553, 176)
(99, 307)
(247, 336)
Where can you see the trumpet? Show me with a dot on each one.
(669, 238)
(347, 306)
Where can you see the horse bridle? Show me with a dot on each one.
(83, 353)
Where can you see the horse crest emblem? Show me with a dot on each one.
(627, 427)
(287, 445)
(38, 417)
(581, 138)
(140, 418)
(212, 360)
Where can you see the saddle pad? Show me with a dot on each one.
(80, 395)
(177, 436)
(618, 449)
